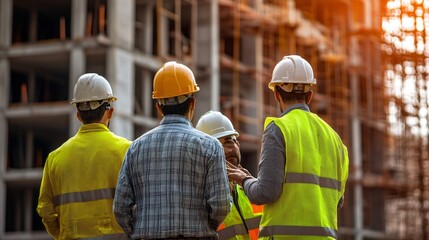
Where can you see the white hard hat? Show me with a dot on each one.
(93, 90)
(292, 73)
(216, 124)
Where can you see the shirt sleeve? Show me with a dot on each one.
(124, 200)
(218, 197)
(267, 188)
(46, 206)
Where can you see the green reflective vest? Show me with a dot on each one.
(316, 171)
(78, 185)
(233, 226)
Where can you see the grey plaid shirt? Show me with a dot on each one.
(173, 183)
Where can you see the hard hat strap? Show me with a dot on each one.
(295, 87)
(92, 105)
(174, 100)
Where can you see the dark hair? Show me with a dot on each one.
(93, 116)
(292, 96)
(180, 109)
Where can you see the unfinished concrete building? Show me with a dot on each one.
(232, 46)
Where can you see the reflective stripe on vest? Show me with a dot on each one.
(73, 197)
(297, 231)
(253, 222)
(115, 236)
(239, 229)
(313, 179)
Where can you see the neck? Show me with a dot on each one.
(106, 117)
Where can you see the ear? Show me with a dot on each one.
(309, 96)
(109, 112)
(107, 116)
(192, 105)
(78, 116)
(277, 96)
(158, 107)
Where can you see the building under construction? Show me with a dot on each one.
(369, 58)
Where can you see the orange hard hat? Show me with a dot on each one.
(173, 80)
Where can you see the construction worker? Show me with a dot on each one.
(79, 177)
(173, 182)
(243, 220)
(304, 164)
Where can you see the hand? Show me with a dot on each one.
(237, 174)
(244, 170)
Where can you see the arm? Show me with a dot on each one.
(267, 188)
(123, 202)
(218, 197)
(344, 170)
(45, 207)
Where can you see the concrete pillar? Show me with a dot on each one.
(77, 56)
(120, 73)
(121, 23)
(6, 9)
(77, 68)
(356, 123)
(4, 101)
(208, 57)
(357, 159)
(120, 64)
(78, 19)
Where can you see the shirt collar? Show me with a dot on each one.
(92, 127)
(301, 106)
(175, 118)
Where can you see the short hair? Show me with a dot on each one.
(180, 109)
(292, 96)
(93, 116)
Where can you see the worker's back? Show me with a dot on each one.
(315, 175)
(171, 170)
(83, 173)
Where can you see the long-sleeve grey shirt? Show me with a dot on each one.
(267, 188)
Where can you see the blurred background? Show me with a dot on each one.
(370, 58)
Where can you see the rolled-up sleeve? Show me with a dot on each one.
(124, 198)
(218, 197)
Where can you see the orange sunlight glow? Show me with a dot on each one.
(406, 78)
(404, 34)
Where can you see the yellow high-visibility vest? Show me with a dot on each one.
(233, 226)
(316, 172)
(78, 185)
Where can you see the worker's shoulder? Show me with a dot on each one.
(120, 140)
(68, 144)
(205, 138)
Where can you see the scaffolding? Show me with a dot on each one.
(405, 72)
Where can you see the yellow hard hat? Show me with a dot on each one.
(173, 80)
